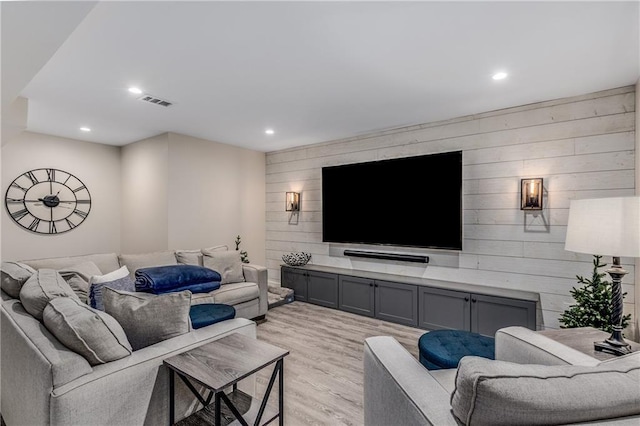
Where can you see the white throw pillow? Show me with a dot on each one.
(118, 279)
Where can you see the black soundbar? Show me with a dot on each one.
(388, 256)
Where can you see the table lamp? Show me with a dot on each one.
(608, 227)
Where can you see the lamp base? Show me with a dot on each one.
(615, 344)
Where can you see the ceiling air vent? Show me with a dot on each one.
(154, 100)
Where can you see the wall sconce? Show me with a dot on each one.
(531, 191)
(292, 202)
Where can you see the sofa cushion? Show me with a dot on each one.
(42, 287)
(136, 261)
(106, 262)
(14, 275)
(78, 276)
(227, 263)
(235, 293)
(91, 333)
(119, 280)
(189, 257)
(502, 393)
(208, 250)
(149, 318)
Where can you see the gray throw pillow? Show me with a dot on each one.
(133, 262)
(227, 263)
(78, 276)
(14, 275)
(42, 287)
(149, 318)
(91, 333)
(503, 393)
(222, 247)
(118, 279)
(189, 257)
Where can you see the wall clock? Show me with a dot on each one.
(48, 201)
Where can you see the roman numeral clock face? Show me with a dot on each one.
(48, 201)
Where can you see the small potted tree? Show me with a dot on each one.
(593, 302)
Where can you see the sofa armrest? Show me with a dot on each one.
(258, 274)
(399, 390)
(33, 363)
(136, 388)
(524, 346)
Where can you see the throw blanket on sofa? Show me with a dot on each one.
(171, 278)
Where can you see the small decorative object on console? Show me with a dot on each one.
(296, 259)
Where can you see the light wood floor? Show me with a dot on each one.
(323, 372)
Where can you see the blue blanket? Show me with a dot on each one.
(166, 279)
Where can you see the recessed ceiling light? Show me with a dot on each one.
(500, 75)
(135, 90)
(85, 129)
(269, 131)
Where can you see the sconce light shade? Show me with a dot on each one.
(531, 191)
(292, 201)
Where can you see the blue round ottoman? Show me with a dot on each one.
(210, 313)
(444, 348)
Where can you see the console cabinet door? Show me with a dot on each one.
(295, 279)
(322, 289)
(444, 309)
(356, 295)
(396, 302)
(490, 313)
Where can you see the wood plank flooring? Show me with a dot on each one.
(324, 373)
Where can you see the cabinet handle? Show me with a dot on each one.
(474, 300)
(370, 284)
(466, 299)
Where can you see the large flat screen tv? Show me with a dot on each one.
(411, 201)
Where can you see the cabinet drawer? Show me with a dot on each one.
(356, 295)
(296, 280)
(396, 302)
(444, 309)
(491, 313)
(322, 289)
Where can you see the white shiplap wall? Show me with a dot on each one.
(583, 147)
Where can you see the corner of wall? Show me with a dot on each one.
(14, 119)
(144, 177)
(637, 171)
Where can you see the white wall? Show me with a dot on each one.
(583, 147)
(145, 177)
(181, 192)
(98, 166)
(167, 192)
(216, 192)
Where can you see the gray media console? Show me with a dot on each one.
(411, 301)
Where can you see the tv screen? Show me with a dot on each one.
(411, 201)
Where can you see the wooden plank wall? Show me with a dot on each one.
(583, 147)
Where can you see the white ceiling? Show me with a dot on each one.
(316, 71)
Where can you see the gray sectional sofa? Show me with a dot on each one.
(547, 381)
(248, 297)
(43, 382)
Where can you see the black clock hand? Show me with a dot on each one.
(64, 207)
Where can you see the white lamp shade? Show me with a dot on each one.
(605, 226)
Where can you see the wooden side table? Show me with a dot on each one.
(220, 365)
(583, 338)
